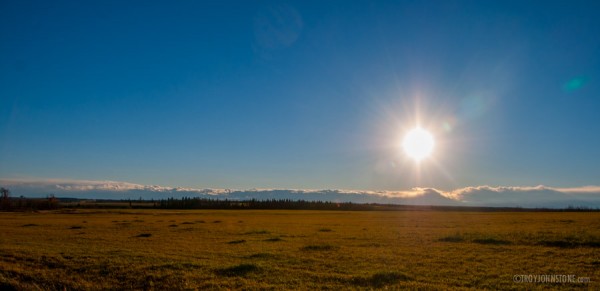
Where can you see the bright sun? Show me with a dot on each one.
(418, 144)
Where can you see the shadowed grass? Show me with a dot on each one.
(527, 239)
(569, 243)
(567, 220)
(174, 266)
(238, 270)
(7, 286)
(261, 256)
(452, 238)
(477, 238)
(491, 241)
(273, 239)
(144, 235)
(320, 247)
(381, 279)
(240, 241)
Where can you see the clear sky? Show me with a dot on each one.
(306, 94)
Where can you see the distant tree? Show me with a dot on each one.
(5, 199)
(52, 202)
(5, 193)
(20, 202)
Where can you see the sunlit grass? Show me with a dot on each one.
(138, 249)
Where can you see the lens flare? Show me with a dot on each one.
(574, 84)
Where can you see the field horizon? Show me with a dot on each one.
(275, 145)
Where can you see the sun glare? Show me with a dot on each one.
(418, 144)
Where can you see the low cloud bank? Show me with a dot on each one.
(538, 196)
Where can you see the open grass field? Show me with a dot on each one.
(216, 249)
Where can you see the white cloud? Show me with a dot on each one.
(70, 185)
(583, 189)
(537, 196)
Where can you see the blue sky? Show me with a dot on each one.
(305, 95)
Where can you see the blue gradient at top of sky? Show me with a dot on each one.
(307, 94)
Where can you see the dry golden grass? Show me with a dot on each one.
(216, 249)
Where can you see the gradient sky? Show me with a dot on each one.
(301, 94)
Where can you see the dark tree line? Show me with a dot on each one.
(205, 203)
(285, 204)
(8, 203)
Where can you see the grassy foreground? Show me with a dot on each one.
(220, 249)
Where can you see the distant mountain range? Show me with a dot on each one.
(528, 197)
